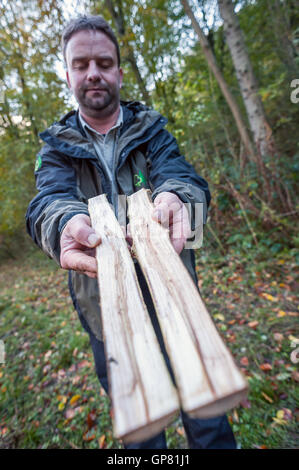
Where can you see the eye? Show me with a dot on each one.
(79, 65)
(105, 64)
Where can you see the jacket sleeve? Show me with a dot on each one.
(56, 202)
(169, 171)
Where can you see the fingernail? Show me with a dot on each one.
(92, 239)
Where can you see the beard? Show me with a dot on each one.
(102, 102)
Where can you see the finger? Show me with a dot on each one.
(79, 228)
(161, 213)
(166, 197)
(79, 261)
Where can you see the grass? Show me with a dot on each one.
(50, 396)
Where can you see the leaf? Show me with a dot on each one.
(245, 403)
(74, 399)
(91, 419)
(265, 367)
(84, 363)
(235, 416)
(253, 324)
(267, 397)
(88, 436)
(244, 361)
(269, 297)
(61, 406)
(180, 430)
(70, 413)
(101, 441)
(219, 316)
(295, 375)
(278, 337)
(281, 313)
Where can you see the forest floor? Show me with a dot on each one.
(49, 393)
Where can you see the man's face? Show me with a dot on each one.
(93, 74)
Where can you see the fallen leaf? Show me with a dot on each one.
(265, 367)
(245, 403)
(279, 421)
(219, 316)
(88, 436)
(244, 361)
(235, 416)
(180, 431)
(293, 314)
(267, 397)
(269, 297)
(74, 399)
(253, 324)
(61, 406)
(101, 441)
(84, 363)
(295, 375)
(91, 419)
(281, 313)
(70, 413)
(278, 337)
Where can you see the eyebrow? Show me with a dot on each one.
(84, 58)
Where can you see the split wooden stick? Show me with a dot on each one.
(144, 399)
(208, 381)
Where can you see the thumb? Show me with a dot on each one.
(79, 228)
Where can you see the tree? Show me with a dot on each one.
(220, 79)
(260, 128)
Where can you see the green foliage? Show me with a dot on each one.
(173, 69)
(33, 98)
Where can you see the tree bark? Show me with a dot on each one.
(221, 81)
(260, 128)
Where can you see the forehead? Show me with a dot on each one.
(90, 44)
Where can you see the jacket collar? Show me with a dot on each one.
(68, 135)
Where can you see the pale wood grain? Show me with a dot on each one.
(208, 380)
(143, 396)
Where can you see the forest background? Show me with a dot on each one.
(226, 75)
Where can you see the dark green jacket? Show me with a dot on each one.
(68, 173)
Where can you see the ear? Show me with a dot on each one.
(68, 80)
(121, 74)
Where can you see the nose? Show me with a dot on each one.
(93, 72)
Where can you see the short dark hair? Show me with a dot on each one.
(84, 23)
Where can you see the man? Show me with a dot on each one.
(113, 147)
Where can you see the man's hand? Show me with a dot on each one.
(77, 242)
(171, 213)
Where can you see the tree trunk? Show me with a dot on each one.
(260, 128)
(220, 79)
(118, 18)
